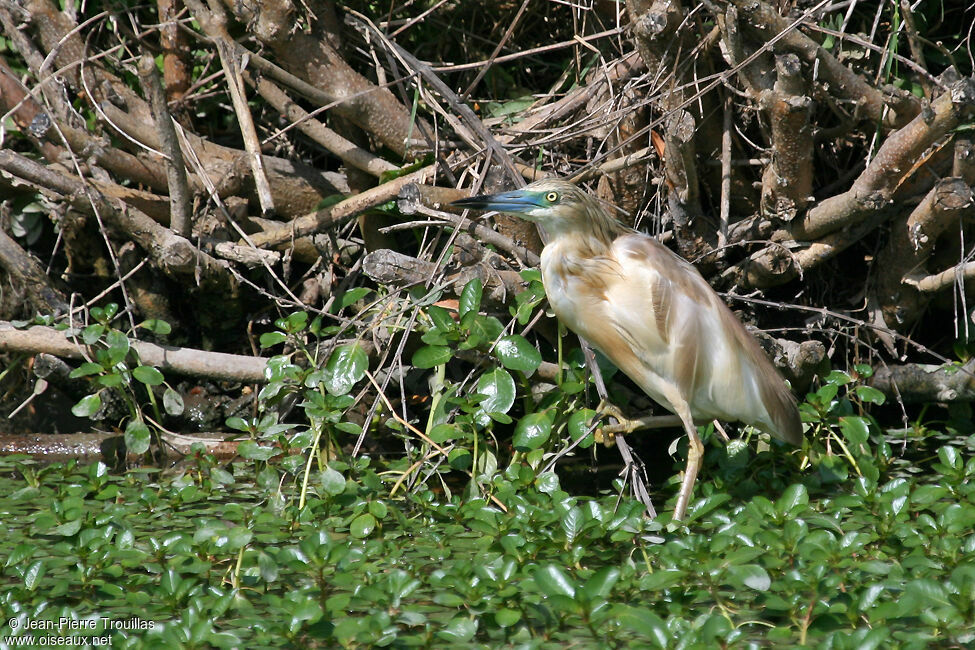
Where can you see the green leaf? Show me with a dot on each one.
(156, 326)
(481, 330)
(795, 497)
(553, 581)
(750, 575)
(516, 353)
(925, 593)
(499, 387)
(547, 483)
(332, 482)
(442, 320)
(254, 451)
(87, 406)
(172, 402)
(270, 339)
(378, 509)
(346, 366)
(86, 369)
(443, 432)
(579, 424)
(838, 378)
(137, 437)
(856, 430)
(460, 630)
(67, 529)
(238, 423)
(148, 375)
(644, 622)
(532, 431)
(460, 459)
(661, 579)
(870, 394)
(572, 522)
(950, 457)
(601, 583)
(362, 526)
(33, 574)
(470, 297)
(506, 617)
(703, 506)
(353, 295)
(431, 355)
(92, 333)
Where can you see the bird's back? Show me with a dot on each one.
(657, 319)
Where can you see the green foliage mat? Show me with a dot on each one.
(210, 557)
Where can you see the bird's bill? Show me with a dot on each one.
(518, 201)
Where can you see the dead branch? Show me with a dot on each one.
(340, 212)
(661, 43)
(963, 164)
(179, 192)
(410, 196)
(843, 82)
(940, 281)
(295, 187)
(918, 383)
(310, 57)
(214, 25)
(176, 55)
(787, 181)
(894, 162)
(60, 448)
(34, 120)
(67, 57)
(43, 297)
(186, 362)
(902, 265)
(390, 267)
(847, 217)
(172, 254)
(349, 152)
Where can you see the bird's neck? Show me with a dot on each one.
(571, 257)
(593, 237)
(584, 244)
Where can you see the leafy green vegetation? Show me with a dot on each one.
(470, 538)
(420, 468)
(224, 557)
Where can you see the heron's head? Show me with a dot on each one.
(550, 203)
(559, 207)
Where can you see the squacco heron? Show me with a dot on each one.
(653, 315)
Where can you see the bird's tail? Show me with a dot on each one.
(781, 407)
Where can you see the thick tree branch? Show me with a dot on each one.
(174, 255)
(918, 384)
(186, 362)
(894, 163)
(843, 82)
(179, 192)
(43, 297)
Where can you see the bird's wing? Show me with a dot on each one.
(688, 339)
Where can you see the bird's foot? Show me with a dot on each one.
(628, 425)
(607, 434)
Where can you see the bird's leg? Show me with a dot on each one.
(695, 451)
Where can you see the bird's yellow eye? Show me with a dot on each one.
(552, 197)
